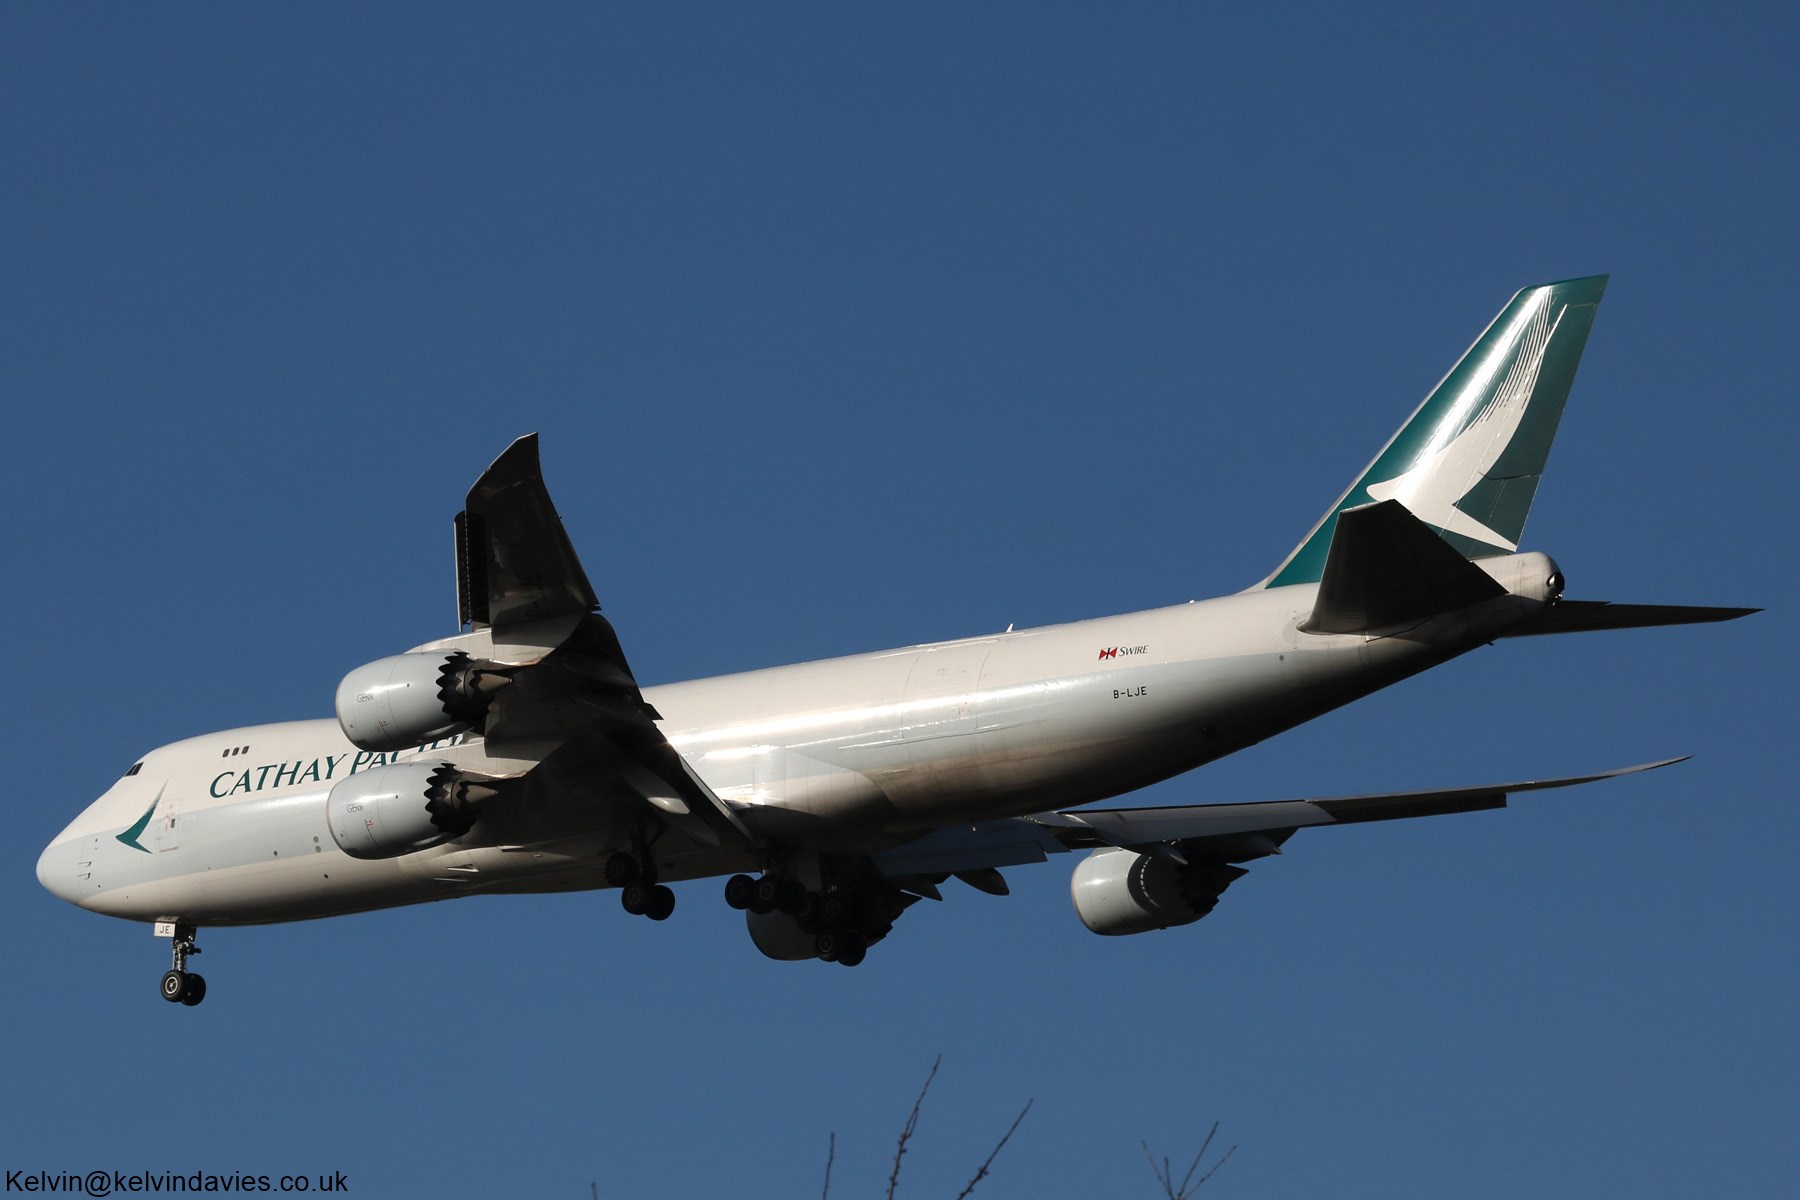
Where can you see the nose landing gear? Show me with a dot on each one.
(179, 985)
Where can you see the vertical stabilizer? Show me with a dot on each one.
(1468, 461)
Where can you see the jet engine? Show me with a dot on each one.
(388, 811)
(411, 699)
(1122, 891)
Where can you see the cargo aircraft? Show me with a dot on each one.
(522, 754)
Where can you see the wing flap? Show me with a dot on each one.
(968, 848)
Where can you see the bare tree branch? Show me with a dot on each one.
(1161, 1173)
(1201, 1182)
(1200, 1154)
(1165, 1175)
(995, 1153)
(912, 1123)
(830, 1157)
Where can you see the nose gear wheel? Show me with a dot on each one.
(179, 985)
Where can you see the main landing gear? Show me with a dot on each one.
(179, 985)
(639, 893)
(842, 920)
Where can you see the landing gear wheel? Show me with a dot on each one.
(760, 902)
(806, 912)
(792, 899)
(621, 869)
(179, 987)
(634, 898)
(739, 890)
(839, 907)
(659, 903)
(852, 949)
(174, 986)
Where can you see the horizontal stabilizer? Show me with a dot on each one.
(1386, 568)
(1579, 616)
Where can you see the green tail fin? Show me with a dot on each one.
(1467, 463)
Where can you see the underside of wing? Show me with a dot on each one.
(514, 562)
(1153, 868)
(560, 700)
(1134, 828)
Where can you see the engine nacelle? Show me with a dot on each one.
(411, 699)
(780, 937)
(388, 811)
(1123, 891)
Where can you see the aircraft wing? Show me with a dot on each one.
(514, 562)
(1205, 836)
(577, 706)
(634, 759)
(1218, 824)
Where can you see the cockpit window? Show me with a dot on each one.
(135, 768)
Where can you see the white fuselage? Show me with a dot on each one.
(849, 755)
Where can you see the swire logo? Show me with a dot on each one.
(1116, 651)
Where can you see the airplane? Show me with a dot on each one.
(522, 755)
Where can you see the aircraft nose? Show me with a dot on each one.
(56, 872)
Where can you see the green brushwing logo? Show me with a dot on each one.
(130, 836)
(1468, 461)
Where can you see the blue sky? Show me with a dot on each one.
(847, 329)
